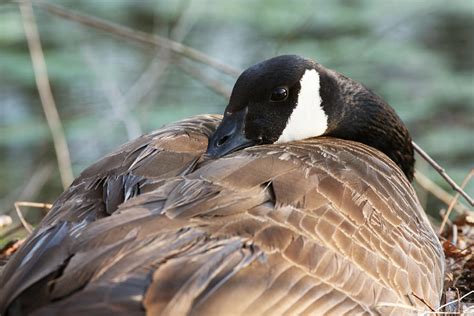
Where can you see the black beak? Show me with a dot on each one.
(229, 136)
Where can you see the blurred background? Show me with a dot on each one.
(418, 55)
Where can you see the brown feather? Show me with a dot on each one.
(321, 226)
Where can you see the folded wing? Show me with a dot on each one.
(321, 226)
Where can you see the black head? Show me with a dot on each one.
(290, 98)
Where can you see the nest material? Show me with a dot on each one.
(458, 244)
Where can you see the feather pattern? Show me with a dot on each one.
(321, 226)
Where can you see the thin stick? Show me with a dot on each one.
(137, 36)
(46, 96)
(454, 200)
(214, 85)
(423, 301)
(457, 300)
(150, 80)
(438, 192)
(35, 204)
(443, 173)
(116, 99)
(421, 312)
(31, 187)
(23, 221)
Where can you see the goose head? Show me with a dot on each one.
(290, 98)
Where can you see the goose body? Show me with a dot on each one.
(251, 222)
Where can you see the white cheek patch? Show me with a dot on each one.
(308, 118)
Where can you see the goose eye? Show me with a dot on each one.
(279, 94)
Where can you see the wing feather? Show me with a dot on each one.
(322, 226)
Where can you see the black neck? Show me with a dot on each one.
(358, 114)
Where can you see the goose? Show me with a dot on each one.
(296, 202)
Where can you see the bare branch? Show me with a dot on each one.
(46, 96)
(23, 221)
(150, 80)
(455, 301)
(115, 98)
(137, 36)
(443, 173)
(454, 200)
(438, 192)
(423, 301)
(214, 85)
(30, 189)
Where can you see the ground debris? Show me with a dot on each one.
(9, 249)
(458, 244)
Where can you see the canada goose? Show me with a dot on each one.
(271, 220)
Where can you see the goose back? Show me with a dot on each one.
(320, 226)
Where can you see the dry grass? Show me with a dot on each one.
(458, 245)
(457, 237)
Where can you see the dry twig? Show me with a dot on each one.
(423, 301)
(428, 185)
(30, 189)
(150, 80)
(454, 200)
(443, 173)
(215, 85)
(136, 36)
(115, 98)
(455, 301)
(45, 93)
(23, 221)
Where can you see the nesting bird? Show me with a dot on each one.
(297, 201)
